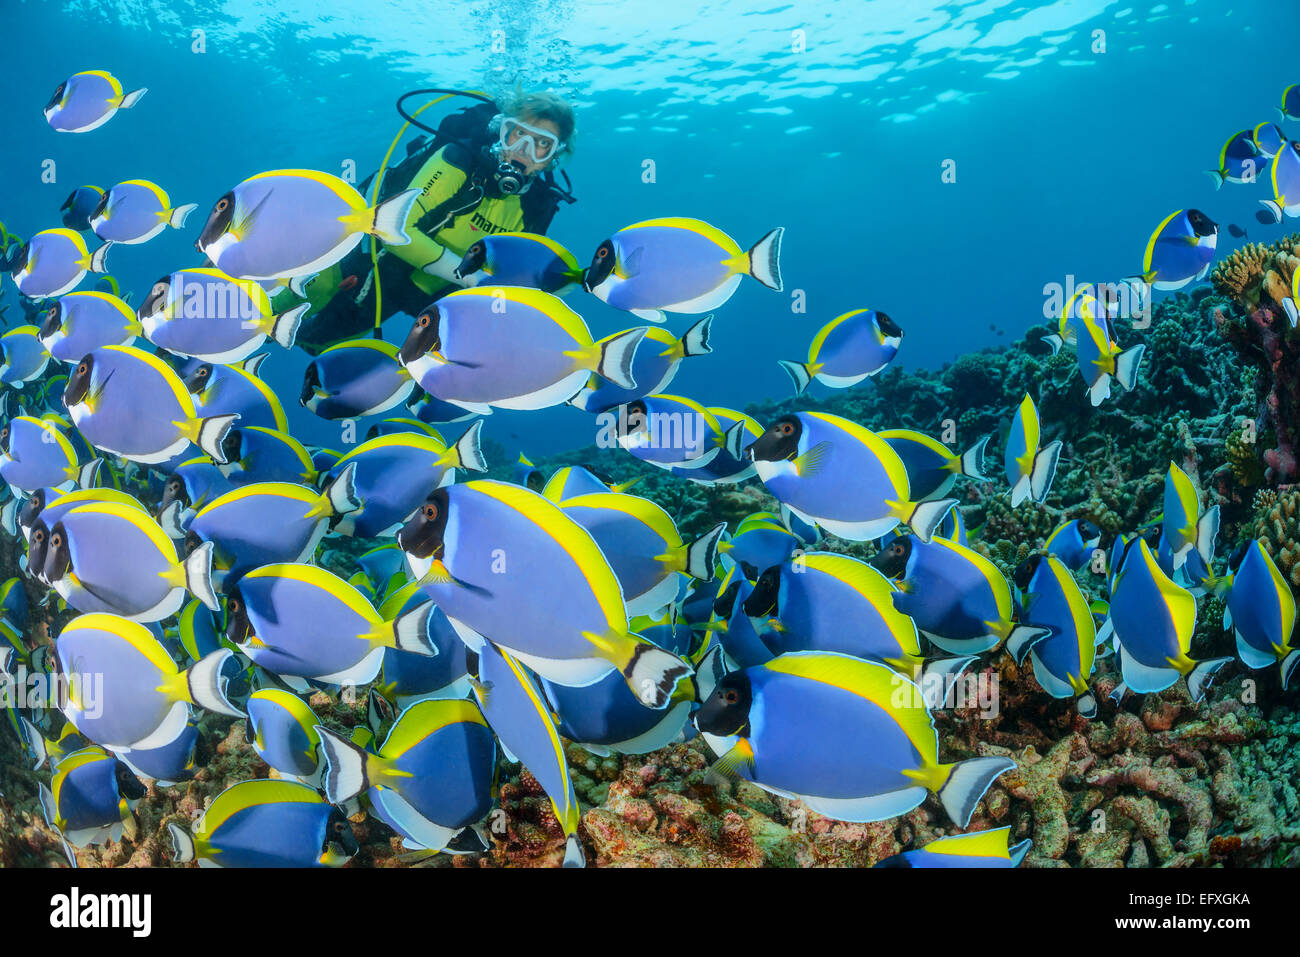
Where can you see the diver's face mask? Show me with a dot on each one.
(529, 143)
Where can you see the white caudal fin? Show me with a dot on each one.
(182, 844)
(298, 284)
(1288, 667)
(284, 329)
(176, 217)
(1086, 705)
(1201, 676)
(345, 767)
(616, 354)
(702, 554)
(1040, 481)
(1100, 390)
(131, 99)
(212, 433)
(36, 742)
(1126, 366)
(573, 856)
(169, 519)
(734, 440)
(653, 673)
(89, 471)
(967, 783)
(342, 491)
(99, 259)
(1289, 307)
(798, 373)
(208, 684)
(1024, 637)
(470, 451)
(9, 517)
(972, 460)
(1274, 208)
(765, 259)
(412, 631)
(695, 342)
(253, 363)
(1207, 531)
(1215, 175)
(391, 215)
(926, 516)
(198, 575)
(1054, 342)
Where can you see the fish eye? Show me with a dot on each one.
(430, 511)
(602, 253)
(203, 372)
(38, 535)
(81, 368)
(222, 204)
(787, 429)
(424, 320)
(730, 696)
(56, 539)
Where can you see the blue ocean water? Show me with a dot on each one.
(1072, 129)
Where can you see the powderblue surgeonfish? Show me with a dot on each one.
(1185, 527)
(725, 468)
(570, 481)
(1269, 139)
(1261, 613)
(666, 431)
(22, 356)
(76, 209)
(194, 483)
(168, 764)
(761, 540)
(678, 265)
(846, 479)
(1284, 181)
(36, 453)
(1063, 659)
(1073, 542)
(1029, 469)
(837, 733)
(294, 222)
(126, 693)
(654, 365)
(205, 314)
(409, 677)
(521, 718)
(1180, 250)
(847, 350)
(395, 473)
(301, 621)
(1152, 620)
(258, 454)
(266, 823)
(1240, 160)
(91, 797)
(356, 378)
(87, 100)
(54, 261)
(990, 848)
(956, 596)
(135, 211)
(520, 259)
(108, 557)
(743, 640)
(456, 544)
(81, 322)
(282, 730)
(131, 403)
(933, 468)
(513, 348)
(430, 778)
(225, 390)
(1099, 360)
(1290, 108)
(271, 522)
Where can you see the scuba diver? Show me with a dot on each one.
(487, 169)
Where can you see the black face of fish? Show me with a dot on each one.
(197, 380)
(1238, 556)
(474, 259)
(67, 203)
(634, 418)
(174, 490)
(57, 98)
(1202, 224)
(1088, 531)
(238, 627)
(1024, 573)
(779, 442)
(602, 264)
(231, 446)
(888, 326)
(310, 382)
(762, 601)
(423, 337)
(338, 832)
(128, 785)
(38, 543)
(218, 222)
(727, 710)
(53, 320)
(156, 300)
(100, 206)
(4, 437)
(17, 258)
(892, 560)
(725, 603)
(32, 508)
(422, 535)
(78, 386)
(58, 556)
